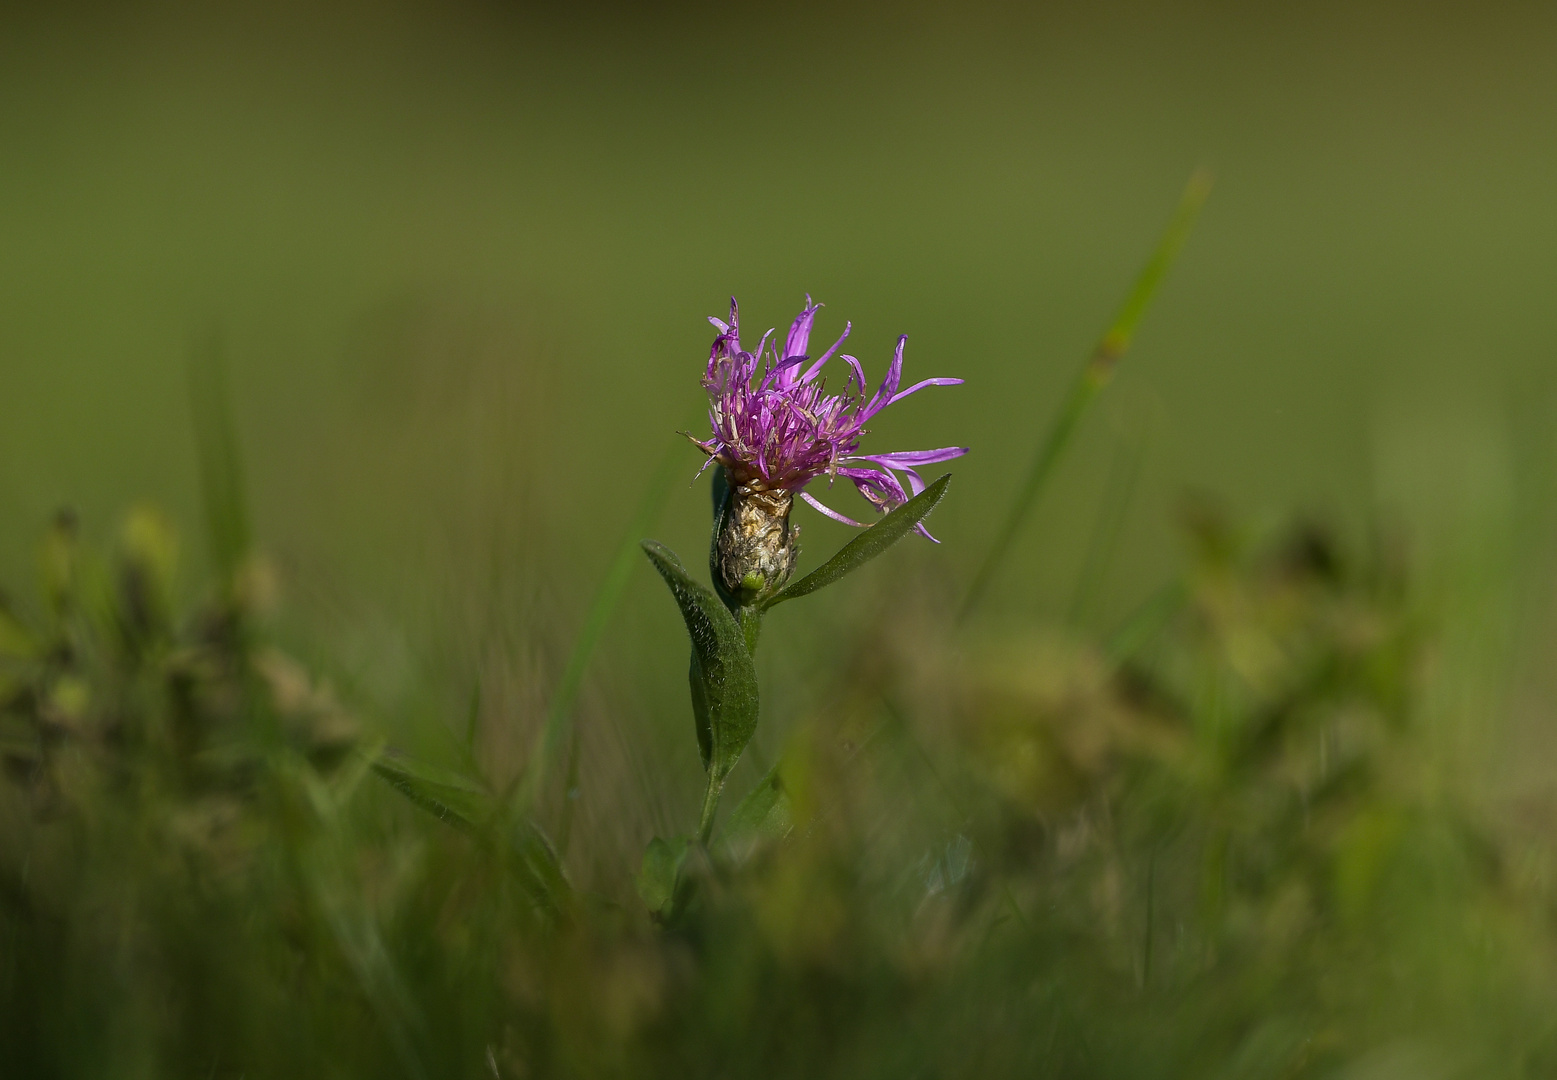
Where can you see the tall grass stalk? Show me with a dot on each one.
(221, 464)
(1095, 375)
(548, 741)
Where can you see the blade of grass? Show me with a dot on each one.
(1095, 375)
(1118, 493)
(1146, 622)
(221, 467)
(549, 740)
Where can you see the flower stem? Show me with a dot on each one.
(705, 825)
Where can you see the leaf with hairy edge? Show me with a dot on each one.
(660, 874)
(460, 802)
(705, 738)
(446, 795)
(539, 870)
(764, 814)
(870, 543)
(722, 669)
(721, 496)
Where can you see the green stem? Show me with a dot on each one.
(750, 619)
(1095, 375)
(705, 825)
(549, 740)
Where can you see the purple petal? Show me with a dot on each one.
(780, 371)
(763, 344)
(835, 515)
(889, 385)
(811, 372)
(891, 492)
(800, 332)
(922, 385)
(905, 459)
(859, 372)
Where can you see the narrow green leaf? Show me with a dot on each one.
(1118, 490)
(720, 490)
(459, 801)
(1095, 375)
(705, 738)
(539, 869)
(660, 874)
(448, 796)
(868, 544)
(764, 814)
(549, 740)
(722, 498)
(721, 665)
(1146, 622)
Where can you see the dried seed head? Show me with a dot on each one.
(757, 547)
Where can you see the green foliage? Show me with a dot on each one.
(660, 876)
(724, 680)
(446, 795)
(1224, 853)
(764, 814)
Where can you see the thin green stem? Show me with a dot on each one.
(548, 741)
(1095, 375)
(750, 619)
(705, 823)
(1112, 513)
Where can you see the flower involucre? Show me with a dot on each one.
(775, 429)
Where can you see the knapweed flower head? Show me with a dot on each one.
(775, 428)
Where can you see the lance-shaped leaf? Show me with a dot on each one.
(870, 543)
(724, 679)
(539, 870)
(446, 795)
(659, 878)
(764, 814)
(705, 736)
(458, 801)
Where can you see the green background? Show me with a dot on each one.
(459, 259)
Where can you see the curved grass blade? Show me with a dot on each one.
(458, 801)
(1095, 375)
(446, 795)
(870, 543)
(1119, 489)
(539, 870)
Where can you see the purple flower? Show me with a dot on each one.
(775, 427)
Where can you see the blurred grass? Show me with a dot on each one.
(460, 257)
(1093, 379)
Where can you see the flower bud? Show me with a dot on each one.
(757, 548)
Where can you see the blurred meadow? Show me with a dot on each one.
(1243, 767)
